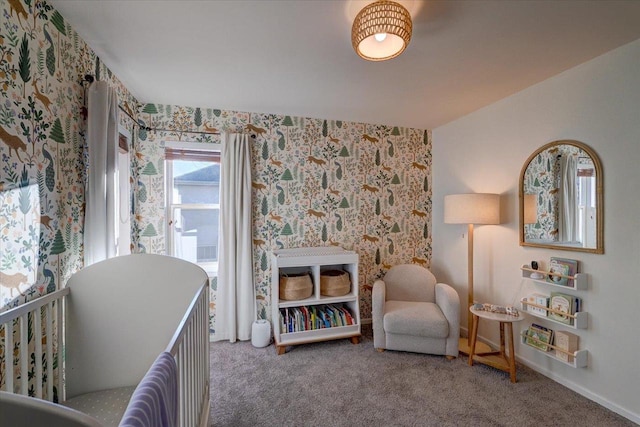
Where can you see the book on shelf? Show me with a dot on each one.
(539, 336)
(347, 316)
(538, 299)
(568, 342)
(306, 317)
(564, 266)
(303, 318)
(566, 305)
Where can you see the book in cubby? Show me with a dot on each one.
(538, 336)
(303, 318)
(564, 267)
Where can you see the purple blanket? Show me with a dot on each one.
(154, 402)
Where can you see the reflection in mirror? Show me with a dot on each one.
(561, 198)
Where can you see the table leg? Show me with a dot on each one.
(512, 354)
(474, 335)
(502, 340)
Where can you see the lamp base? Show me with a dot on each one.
(464, 347)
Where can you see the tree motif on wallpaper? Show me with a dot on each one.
(57, 134)
(25, 196)
(286, 232)
(150, 110)
(197, 117)
(58, 247)
(24, 64)
(149, 232)
(58, 21)
(149, 170)
(287, 123)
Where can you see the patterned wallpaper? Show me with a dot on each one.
(542, 178)
(315, 183)
(42, 126)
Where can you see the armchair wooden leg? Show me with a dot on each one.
(450, 357)
(379, 350)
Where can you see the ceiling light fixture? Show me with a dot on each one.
(381, 31)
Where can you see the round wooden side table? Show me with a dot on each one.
(496, 359)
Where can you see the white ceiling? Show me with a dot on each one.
(295, 57)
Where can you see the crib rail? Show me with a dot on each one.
(190, 347)
(29, 318)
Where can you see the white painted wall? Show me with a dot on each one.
(597, 103)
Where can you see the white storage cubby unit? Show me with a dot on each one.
(314, 260)
(577, 359)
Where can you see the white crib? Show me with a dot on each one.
(119, 315)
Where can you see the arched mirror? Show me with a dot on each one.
(561, 198)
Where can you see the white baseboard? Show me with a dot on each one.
(570, 385)
(580, 390)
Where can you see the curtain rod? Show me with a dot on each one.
(90, 79)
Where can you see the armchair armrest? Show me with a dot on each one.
(378, 298)
(449, 302)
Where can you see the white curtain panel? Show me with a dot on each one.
(235, 301)
(567, 217)
(101, 192)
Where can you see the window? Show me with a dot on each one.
(586, 184)
(192, 173)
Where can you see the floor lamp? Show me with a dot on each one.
(474, 208)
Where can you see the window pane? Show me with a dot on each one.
(195, 234)
(196, 182)
(194, 197)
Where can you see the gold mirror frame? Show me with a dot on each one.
(599, 249)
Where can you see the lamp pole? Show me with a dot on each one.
(470, 209)
(469, 280)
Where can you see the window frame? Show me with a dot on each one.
(191, 150)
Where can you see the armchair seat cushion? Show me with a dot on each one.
(423, 319)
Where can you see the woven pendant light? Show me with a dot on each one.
(381, 31)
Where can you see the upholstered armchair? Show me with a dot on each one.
(411, 312)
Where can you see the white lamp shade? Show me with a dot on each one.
(530, 208)
(474, 208)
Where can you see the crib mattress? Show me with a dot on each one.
(107, 406)
(17, 410)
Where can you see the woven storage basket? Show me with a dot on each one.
(295, 286)
(334, 283)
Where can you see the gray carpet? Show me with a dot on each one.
(337, 383)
